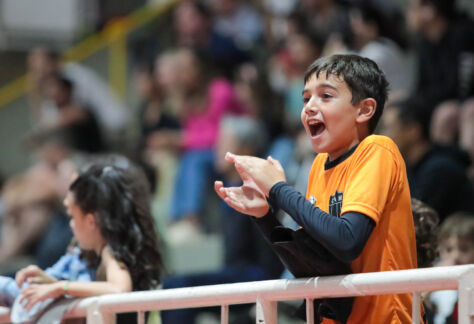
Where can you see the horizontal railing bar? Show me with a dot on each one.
(402, 281)
(418, 280)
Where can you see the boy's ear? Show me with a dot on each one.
(366, 109)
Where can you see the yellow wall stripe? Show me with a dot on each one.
(113, 35)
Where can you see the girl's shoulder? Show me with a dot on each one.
(108, 259)
(106, 254)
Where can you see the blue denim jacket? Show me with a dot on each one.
(68, 267)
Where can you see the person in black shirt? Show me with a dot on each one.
(445, 50)
(436, 174)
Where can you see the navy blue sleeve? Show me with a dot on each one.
(345, 237)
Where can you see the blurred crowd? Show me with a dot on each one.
(227, 75)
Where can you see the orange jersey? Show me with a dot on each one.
(371, 180)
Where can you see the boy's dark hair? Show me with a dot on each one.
(362, 76)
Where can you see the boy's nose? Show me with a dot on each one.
(311, 109)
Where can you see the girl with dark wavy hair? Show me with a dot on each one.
(110, 216)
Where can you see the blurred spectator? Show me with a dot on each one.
(456, 240)
(247, 257)
(377, 28)
(446, 42)
(166, 77)
(253, 90)
(466, 131)
(159, 128)
(327, 18)
(426, 222)
(453, 124)
(77, 124)
(154, 119)
(205, 101)
(436, 174)
(34, 224)
(456, 247)
(279, 8)
(239, 20)
(276, 21)
(194, 28)
(90, 91)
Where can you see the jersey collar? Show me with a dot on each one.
(330, 164)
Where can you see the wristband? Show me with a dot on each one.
(65, 287)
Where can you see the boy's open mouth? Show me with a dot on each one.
(316, 127)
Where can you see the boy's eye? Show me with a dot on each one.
(305, 100)
(326, 96)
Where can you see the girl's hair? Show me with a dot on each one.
(426, 225)
(119, 200)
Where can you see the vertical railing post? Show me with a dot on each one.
(309, 311)
(266, 311)
(141, 317)
(466, 299)
(95, 316)
(224, 314)
(416, 308)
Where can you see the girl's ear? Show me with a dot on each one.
(366, 109)
(90, 219)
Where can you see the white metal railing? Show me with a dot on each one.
(102, 309)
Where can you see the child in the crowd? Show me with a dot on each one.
(426, 231)
(358, 203)
(426, 226)
(110, 219)
(456, 247)
(456, 240)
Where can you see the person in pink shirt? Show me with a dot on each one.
(204, 102)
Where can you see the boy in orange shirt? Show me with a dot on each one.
(357, 203)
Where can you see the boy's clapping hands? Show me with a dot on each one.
(264, 173)
(258, 176)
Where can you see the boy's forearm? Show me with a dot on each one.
(344, 236)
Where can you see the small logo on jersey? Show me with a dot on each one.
(335, 204)
(312, 200)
